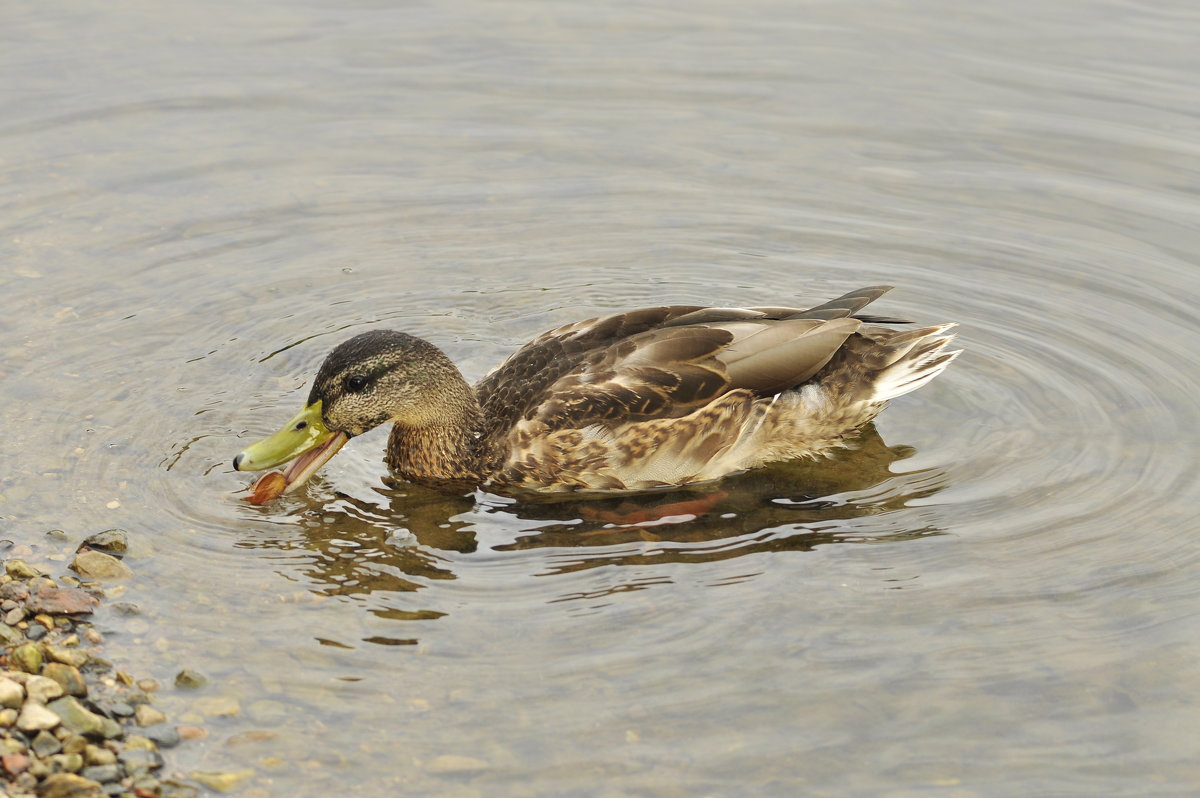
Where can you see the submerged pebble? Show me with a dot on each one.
(100, 566)
(58, 699)
(69, 785)
(221, 781)
(110, 541)
(190, 678)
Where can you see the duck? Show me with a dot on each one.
(653, 398)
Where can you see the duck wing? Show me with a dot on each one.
(661, 362)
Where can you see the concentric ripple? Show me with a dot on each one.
(993, 593)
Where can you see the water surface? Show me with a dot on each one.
(994, 594)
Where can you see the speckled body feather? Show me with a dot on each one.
(676, 395)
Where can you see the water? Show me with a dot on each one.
(995, 595)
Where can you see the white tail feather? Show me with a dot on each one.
(924, 361)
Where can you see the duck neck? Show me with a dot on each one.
(444, 451)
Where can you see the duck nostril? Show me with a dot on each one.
(302, 425)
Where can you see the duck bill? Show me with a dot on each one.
(305, 440)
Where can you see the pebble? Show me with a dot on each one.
(35, 717)
(163, 735)
(69, 785)
(19, 569)
(190, 678)
(100, 566)
(139, 760)
(102, 773)
(71, 763)
(11, 693)
(79, 719)
(75, 744)
(121, 708)
(219, 706)
(146, 715)
(126, 608)
(9, 636)
(97, 755)
(27, 657)
(42, 689)
(140, 742)
(51, 743)
(221, 781)
(45, 744)
(67, 656)
(189, 732)
(110, 541)
(68, 678)
(453, 763)
(14, 763)
(61, 601)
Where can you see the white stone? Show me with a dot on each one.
(11, 693)
(35, 717)
(42, 689)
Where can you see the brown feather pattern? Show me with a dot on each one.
(669, 396)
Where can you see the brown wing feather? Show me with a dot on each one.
(661, 362)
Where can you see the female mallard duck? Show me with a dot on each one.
(645, 399)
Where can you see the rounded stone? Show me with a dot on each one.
(45, 744)
(67, 655)
(120, 708)
(138, 742)
(19, 569)
(100, 566)
(190, 678)
(453, 763)
(110, 541)
(221, 781)
(79, 719)
(35, 717)
(69, 785)
(163, 735)
(10, 636)
(147, 715)
(11, 693)
(43, 689)
(218, 706)
(99, 755)
(102, 773)
(71, 763)
(67, 677)
(27, 657)
(75, 744)
(139, 760)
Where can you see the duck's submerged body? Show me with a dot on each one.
(639, 400)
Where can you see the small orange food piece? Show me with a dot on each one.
(268, 488)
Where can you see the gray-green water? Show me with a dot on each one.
(995, 596)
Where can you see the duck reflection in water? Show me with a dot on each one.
(411, 535)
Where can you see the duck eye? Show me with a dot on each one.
(356, 383)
